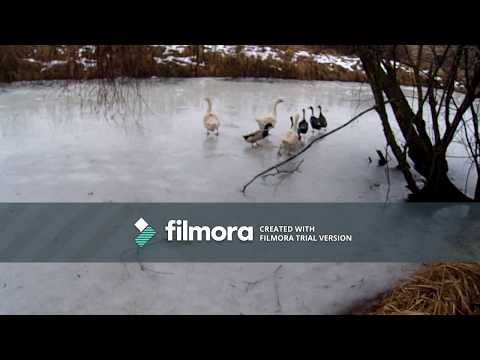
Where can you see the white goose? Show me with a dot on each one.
(292, 138)
(210, 120)
(269, 119)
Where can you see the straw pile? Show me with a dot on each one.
(436, 289)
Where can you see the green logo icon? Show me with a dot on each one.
(146, 232)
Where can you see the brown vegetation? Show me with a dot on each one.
(436, 289)
(49, 62)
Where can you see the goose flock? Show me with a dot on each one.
(290, 141)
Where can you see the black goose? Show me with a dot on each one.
(321, 118)
(303, 125)
(314, 121)
(258, 135)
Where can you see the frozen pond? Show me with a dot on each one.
(154, 148)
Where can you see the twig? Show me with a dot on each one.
(461, 157)
(252, 284)
(141, 265)
(277, 290)
(285, 171)
(382, 161)
(274, 167)
(387, 173)
(468, 175)
(147, 269)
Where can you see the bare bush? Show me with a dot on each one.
(436, 72)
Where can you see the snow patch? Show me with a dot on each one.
(347, 62)
(182, 61)
(87, 63)
(262, 52)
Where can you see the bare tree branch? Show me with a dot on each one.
(279, 172)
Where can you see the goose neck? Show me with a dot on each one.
(275, 108)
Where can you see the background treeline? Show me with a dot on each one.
(48, 62)
(78, 62)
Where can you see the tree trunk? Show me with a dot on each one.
(441, 191)
(428, 161)
(439, 187)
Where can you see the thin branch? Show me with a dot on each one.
(468, 176)
(432, 74)
(252, 284)
(464, 106)
(276, 166)
(461, 157)
(279, 172)
(387, 173)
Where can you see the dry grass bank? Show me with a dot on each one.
(435, 289)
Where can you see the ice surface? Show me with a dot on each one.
(53, 149)
(327, 288)
(154, 148)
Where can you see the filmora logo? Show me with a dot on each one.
(146, 232)
(180, 230)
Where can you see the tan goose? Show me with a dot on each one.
(269, 119)
(210, 120)
(292, 138)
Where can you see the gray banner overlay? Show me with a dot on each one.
(105, 232)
